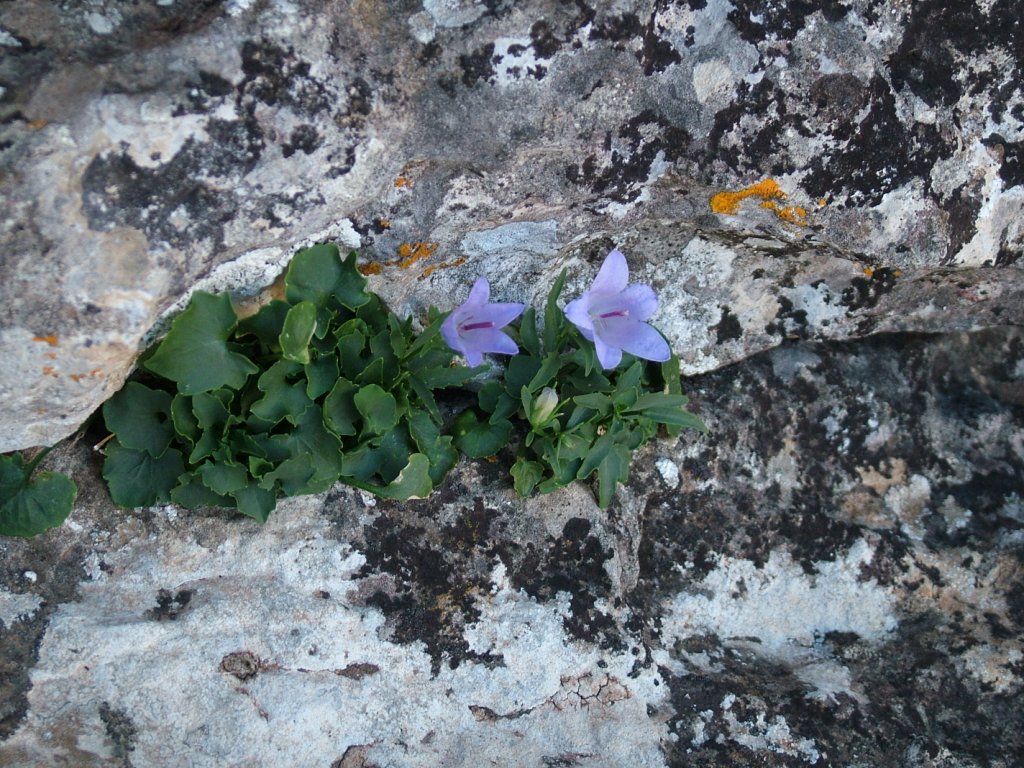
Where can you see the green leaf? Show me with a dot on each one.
(372, 373)
(676, 417)
(596, 400)
(553, 317)
(293, 475)
(298, 329)
(282, 399)
(321, 374)
(210, 411)
(413, 482)
(479, 439)
(137, 479)
(378, 408)
(191, 493)
(350, 351)
(671, 375)
(312, 275)
(526, 475)
(310, 437)
(30, 506)
(350, 290)
(613, 469)
(426, 337)
(439, 378)
(140, 417)
(528, 332)
(597, 453)
(340, 412)
(435, 446)
(426, 396)
(255, 502)
(629, 378)
(398, 333)
(521, 370)
(184, 418)
(195, 353)
(546, 373)
(266, 324)
(658, 400)
(223, 478)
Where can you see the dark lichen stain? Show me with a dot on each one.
(728, 328)
(657, 54)
(626, 163)
(477, 66)
(865, 292)
(439, 573)
(304, 138)
(573, 563)
(933, 397)
(174, 202)
(169, 605)
(121, 730)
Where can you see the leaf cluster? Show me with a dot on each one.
(324, 385)
(29, 506)
(600, 417)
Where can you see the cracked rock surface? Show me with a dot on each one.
(834, 576)
(147, 149)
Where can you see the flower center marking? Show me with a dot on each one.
(615, 313)
(476, 326)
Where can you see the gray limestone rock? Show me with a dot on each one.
(149, 147)
(832, 577)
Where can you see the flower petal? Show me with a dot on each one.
(635, 337)
(489, 340)
(450, 332)
(608, 356)
(640, 300)
(613, 275)
(577, 312)
(499, 314)
(473, 358)
(479, 293)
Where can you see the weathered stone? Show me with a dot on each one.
(831, 577)
(143, 145)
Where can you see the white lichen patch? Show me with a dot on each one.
(324, 678)
(780, 604)
(668, 470)
(775, 735)
(17, 606)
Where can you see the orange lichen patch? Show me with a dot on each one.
(373, 268)
(38, 124)
(49, 370)
(794, 214)
(410, 253)
(384, 223)
(729, 202)
(869, 271)
(822, 202)
(768, 192)
(77, 377)
(51, 340)
(897, 273)
(403, 181)
(446, 265)
(96, 372)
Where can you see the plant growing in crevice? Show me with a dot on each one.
(574, 418)
(30, 505)
(322, 386)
